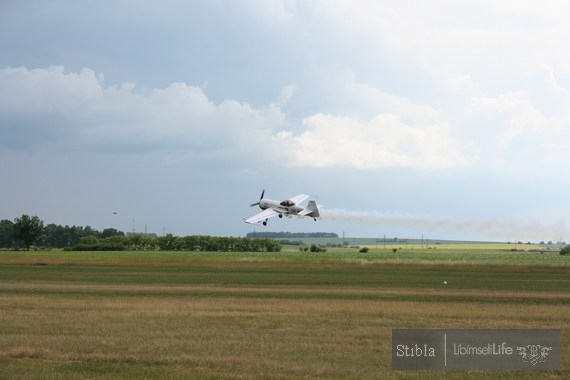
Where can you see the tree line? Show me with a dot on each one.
(30, 230)
(291, 235)
(27, 231)
(169, 242)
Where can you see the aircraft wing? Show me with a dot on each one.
(265, 214)
(299, 198)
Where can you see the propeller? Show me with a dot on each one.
(260, 198)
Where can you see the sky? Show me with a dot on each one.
(448, 119)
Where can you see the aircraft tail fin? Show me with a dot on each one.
(313, 209)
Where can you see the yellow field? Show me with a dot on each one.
(492, 247)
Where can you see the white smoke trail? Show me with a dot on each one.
(527, 230)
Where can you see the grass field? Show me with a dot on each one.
(264, 315)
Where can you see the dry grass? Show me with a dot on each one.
(66, 327)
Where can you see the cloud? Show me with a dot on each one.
(51, 108)
(492, 42)
(522, 136)
(544, 90)
(46, 108)
(385, 141)
(79, 111)
(356, 109)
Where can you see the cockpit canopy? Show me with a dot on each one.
(287, 203)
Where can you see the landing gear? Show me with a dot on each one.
(280, 216)
(265, 222)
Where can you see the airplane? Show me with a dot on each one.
(288, 207)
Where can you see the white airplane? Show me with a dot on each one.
(287, 207)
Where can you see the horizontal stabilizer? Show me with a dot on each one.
(311, 210)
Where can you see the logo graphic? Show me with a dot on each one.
(534, 353)
(476, 349)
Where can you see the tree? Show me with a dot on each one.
(108, 232)
(6, 234)
(28, 229)
(565, 251)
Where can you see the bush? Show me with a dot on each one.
(315, 248)
(363, 250)
(565, 251)
(91, 243)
